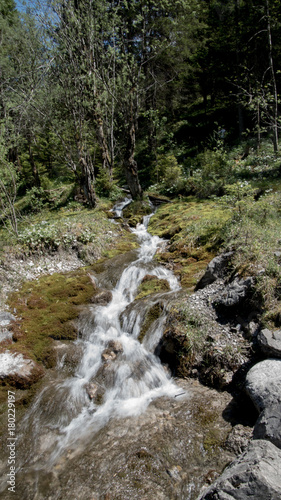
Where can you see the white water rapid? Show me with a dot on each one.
(114, 363)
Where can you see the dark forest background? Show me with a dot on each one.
(155, 95)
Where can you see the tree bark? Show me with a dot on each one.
(86, 185)
(275, 95)
(106, 158)
(33, 167)
(130, 164)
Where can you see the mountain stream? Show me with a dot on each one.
(119, 426)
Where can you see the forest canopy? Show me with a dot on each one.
(102, 93)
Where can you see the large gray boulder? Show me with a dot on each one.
(268, 425)
(263, 383)
(270, 342)
(256, 475)
(215, 269)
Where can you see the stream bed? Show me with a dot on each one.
(119, 426)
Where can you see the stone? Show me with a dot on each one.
(6, 318)
(270, 342)
(5, 334)
(238, 439)
(91, 390)
(108, 355)
(268, 425)
(115, 346)
(235, 293)
(215, 269)
(102, 298)
(255, 475)
(263, 383)
(19, 371)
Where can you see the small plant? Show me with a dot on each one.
(106, 186)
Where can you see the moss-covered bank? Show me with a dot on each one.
(194, 230)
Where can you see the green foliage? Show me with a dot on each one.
(36, 199)
(106, 186)
(254, 234)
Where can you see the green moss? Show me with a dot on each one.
(186, 330)
(194, 229)
(46, 308)
(212, 441)
(125, 243)
(154, 285)
(152, 315)
(137, 208)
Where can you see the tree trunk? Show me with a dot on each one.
(275, 95)
(86, 183)
(35, 174)
(130, 164)
(106, 159)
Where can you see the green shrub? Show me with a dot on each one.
(169, 176)
(106, 186)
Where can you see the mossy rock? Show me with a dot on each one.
(152, 315)
(137, 208)
(47, 308)
(151, 284)
(135, 220)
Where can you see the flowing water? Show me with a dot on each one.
(116, 379)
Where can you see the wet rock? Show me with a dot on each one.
(255, 474)
(234, 293)
(116, 346)
(268, 425)
(19, 371)
(215, 269)
(238, 439)
(68, 356)
(263, 383)
(270, 342)
(91, 390)
(108, 355)
(102, 298)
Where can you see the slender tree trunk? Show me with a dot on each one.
(33, 166)
(258, 127)
(130, 164)
(106, 157)
(275, 95)
(237, 49)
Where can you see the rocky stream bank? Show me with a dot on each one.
(230, 416)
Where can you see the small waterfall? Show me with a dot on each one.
(117, 376)
(119, 207)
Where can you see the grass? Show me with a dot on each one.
(189, 329)
(194, 229)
